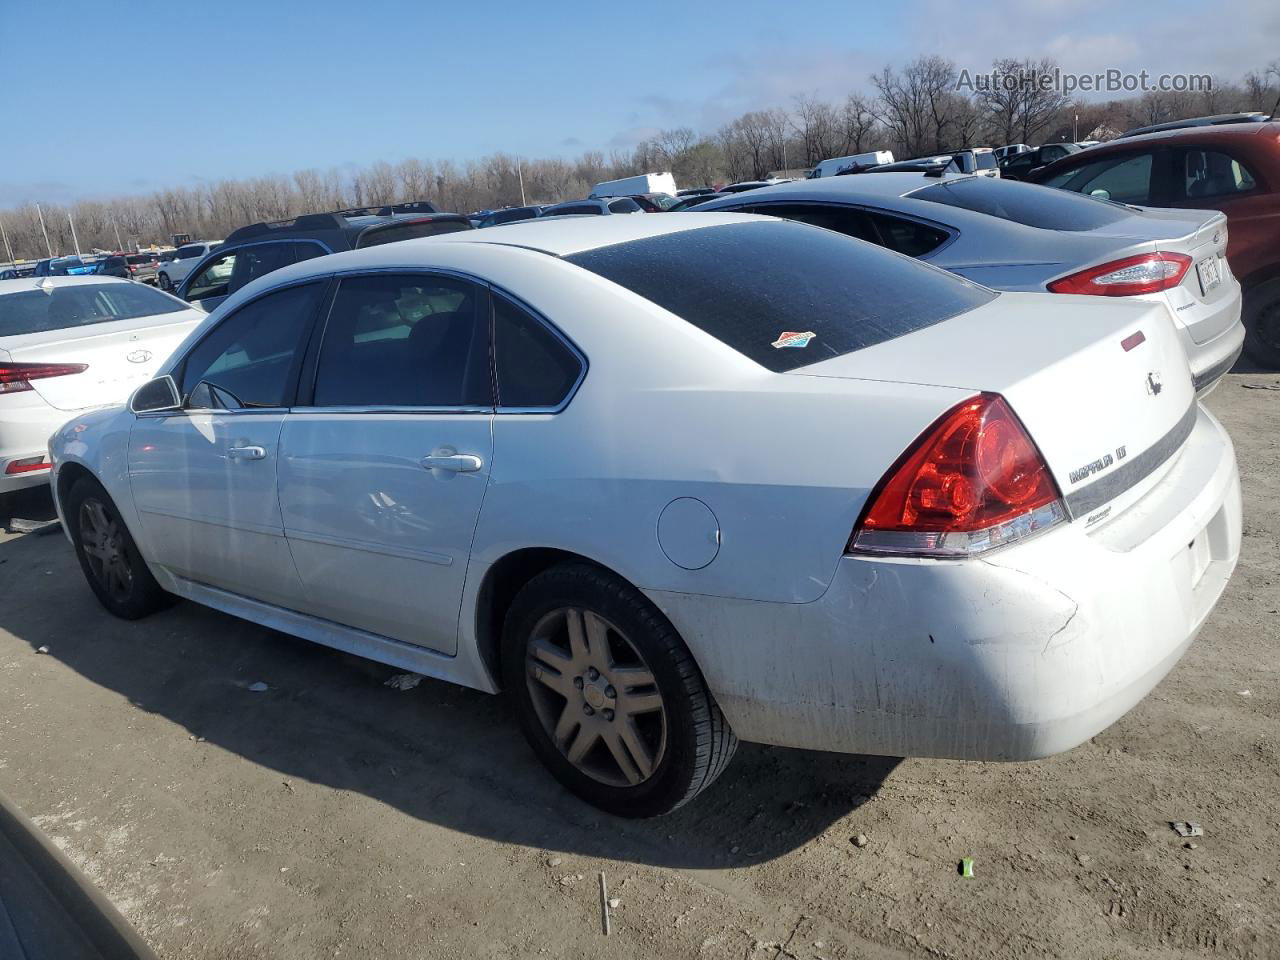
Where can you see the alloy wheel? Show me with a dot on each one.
(103, 542)
(596, 697)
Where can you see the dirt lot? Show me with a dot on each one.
(332, 816)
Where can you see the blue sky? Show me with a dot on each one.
(129, 97)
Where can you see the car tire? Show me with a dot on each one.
(1262, 324)
(164, 283)
(653, 743)
(108, 555)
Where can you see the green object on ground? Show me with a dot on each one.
(966, 867)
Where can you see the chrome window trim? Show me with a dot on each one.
(390, 410)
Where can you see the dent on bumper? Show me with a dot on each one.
(1016, 657)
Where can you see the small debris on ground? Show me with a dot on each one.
(615, 903)
(287, 785)
(860, 841)
(42, 649)
(258, 687)
(1190, 844)
(604, 905)
(966, 867)
(404, 681)
(1245, 693)
(1083, 858)
(555, 861)
(1187, 828)
(1261, 386)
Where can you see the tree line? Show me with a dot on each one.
(913, 110)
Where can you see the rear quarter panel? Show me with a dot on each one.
(665, 411)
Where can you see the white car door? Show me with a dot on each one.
(204, 479)
(384, 465)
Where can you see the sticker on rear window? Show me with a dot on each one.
(793, 339)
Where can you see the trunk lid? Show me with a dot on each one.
(1102, 386)
(121, 355)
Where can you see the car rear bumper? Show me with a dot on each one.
(1015, 657)
(24, 433)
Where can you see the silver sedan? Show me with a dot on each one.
(1019, 236)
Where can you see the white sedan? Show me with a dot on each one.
(71, 343)
(672, 481)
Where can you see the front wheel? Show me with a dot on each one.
(164, 283)
(608, 695)
(116, 572)
(1262, 324)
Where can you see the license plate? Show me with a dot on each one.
(1209, 274)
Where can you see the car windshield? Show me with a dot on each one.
(1025, 203)
(785, 294)
(35, 311)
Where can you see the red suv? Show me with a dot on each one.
(1234, 168)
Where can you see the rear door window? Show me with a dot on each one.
(535, 367)
(911, 237)
(782, 293)
(1208, 173)
(850, 221)
(412, 340)
(1025, 203)
(257, 261)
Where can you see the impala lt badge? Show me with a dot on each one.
(139, 356)
(1154, 386)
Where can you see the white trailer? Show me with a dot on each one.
(829, 168)
(630, 186)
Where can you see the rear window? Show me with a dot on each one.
(410, 231)
(140, 258)
(785, 294)
(1025, 203)
(34, 311)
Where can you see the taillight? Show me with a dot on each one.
(973, 481)
(16, 377)
(27, 465)
(1146, 273)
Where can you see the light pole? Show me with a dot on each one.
(75, 241)
(47, 246)
(5, 237)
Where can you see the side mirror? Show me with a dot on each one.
(1100, 194)
(157, 396)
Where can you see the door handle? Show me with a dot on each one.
(246, 453)
(454, 462)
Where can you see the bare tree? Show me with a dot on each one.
(858, 121)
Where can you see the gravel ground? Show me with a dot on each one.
(332, 816)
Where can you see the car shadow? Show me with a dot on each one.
(438, 752)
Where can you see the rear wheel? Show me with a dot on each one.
(164, 284)
(608, 696)
(108, 555)
(1262, 324)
